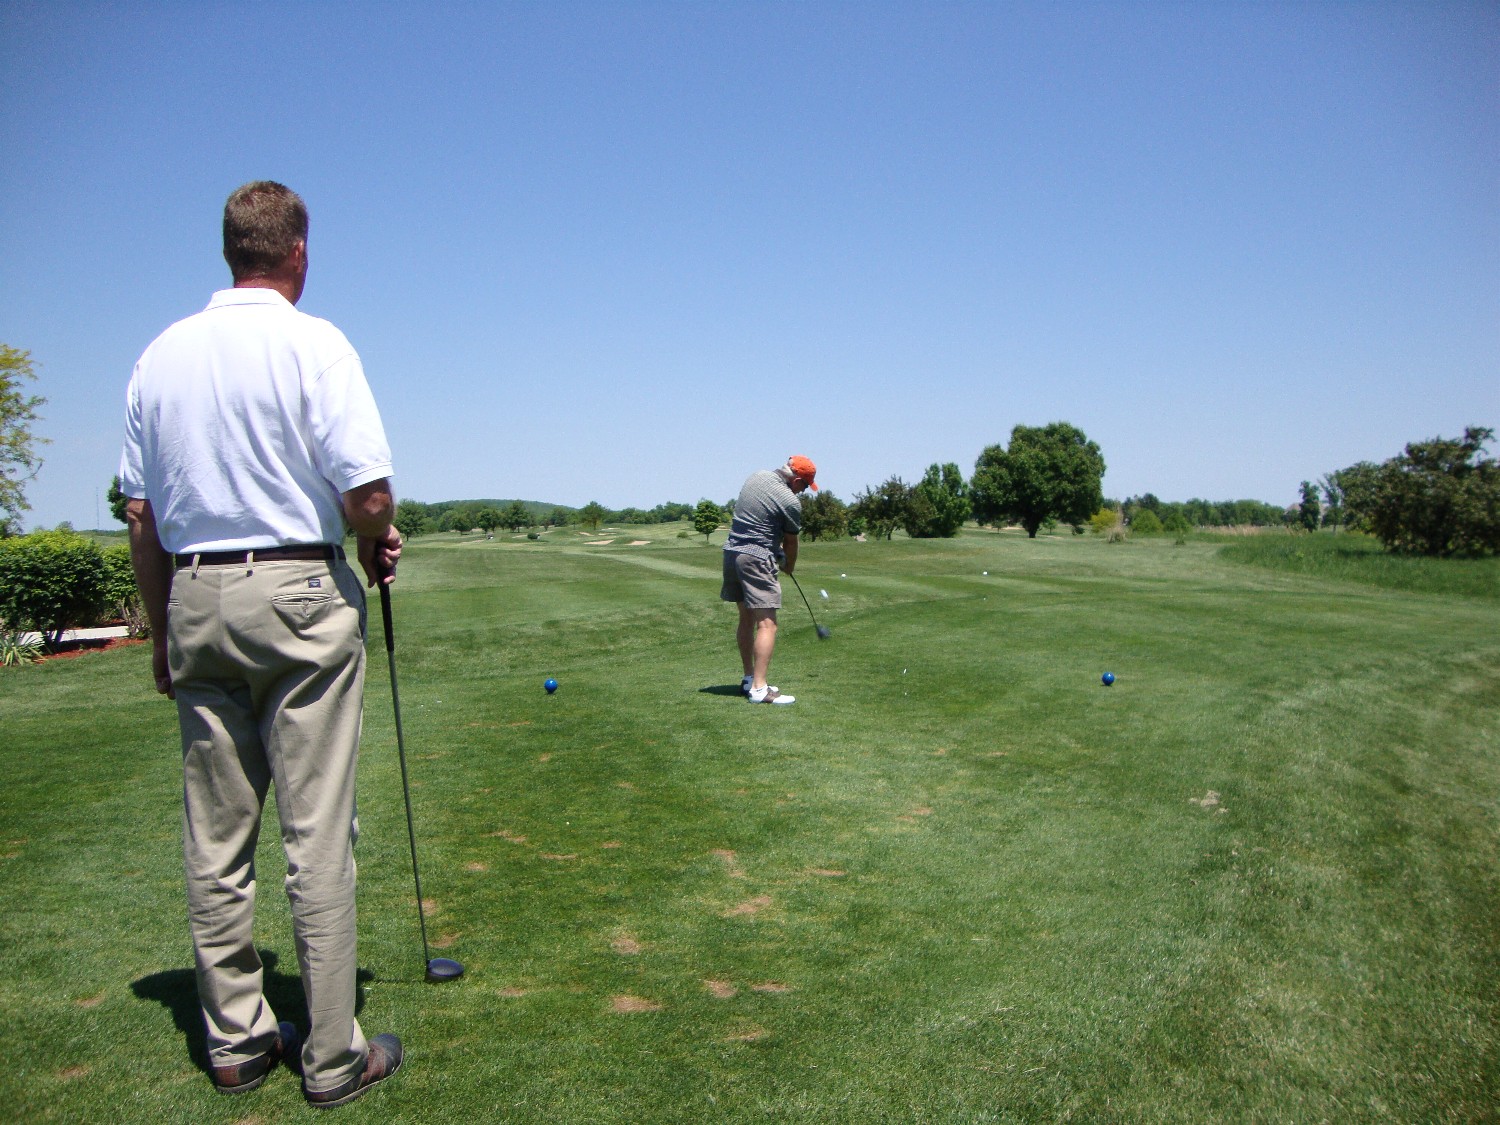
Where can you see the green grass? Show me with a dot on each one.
(959, 881)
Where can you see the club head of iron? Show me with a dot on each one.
(441, 969)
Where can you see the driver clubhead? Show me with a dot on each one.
(441, 969)
(824, 633)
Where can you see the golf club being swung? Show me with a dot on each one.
(823, 634)
(438, 968)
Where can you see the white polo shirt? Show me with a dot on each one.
(245, 424)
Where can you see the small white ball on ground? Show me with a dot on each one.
(824, 593)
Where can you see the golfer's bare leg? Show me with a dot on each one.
(763, 645)
(745, 637)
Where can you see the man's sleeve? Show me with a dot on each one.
(348, 438)
(132, 459)
(792, 513)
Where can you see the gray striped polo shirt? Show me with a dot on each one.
(766, 510)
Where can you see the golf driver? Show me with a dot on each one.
(438, 968)
(823, 634)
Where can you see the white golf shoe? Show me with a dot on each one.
(771, 695)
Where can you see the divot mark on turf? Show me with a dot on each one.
(1210, 800)
(720, 989)
(513, 993)
(70, 1073)
(544, 757)
(728, 858)
(520, 723)
(476, 866)
(571, 855)
(92, 1001)
(751, 1034)
(827, 872)
(627, 1004)
(507, 834)
(626, 946)
(445, 941)
(611, 844)
(749, 908)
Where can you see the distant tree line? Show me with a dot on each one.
(414, 517)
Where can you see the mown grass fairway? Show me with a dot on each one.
(958, 881)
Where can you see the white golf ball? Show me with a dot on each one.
(823, 592)
(843, 576)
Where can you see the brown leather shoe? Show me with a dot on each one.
(241, 1078)
(383, 1061)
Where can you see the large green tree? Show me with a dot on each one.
(881, 510)
(1309, 510)
(707, 517)
(939, 504)
(1441, 497)
(19, 459)
(824, 515)
(1050, 472)
(412, 518)
(592, 514)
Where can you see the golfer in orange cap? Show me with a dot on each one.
(767, 520)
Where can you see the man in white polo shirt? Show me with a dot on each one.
(251, 440)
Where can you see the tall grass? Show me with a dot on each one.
(1349, 557)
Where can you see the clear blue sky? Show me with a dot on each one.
(632, 251)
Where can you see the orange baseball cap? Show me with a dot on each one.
(804, 469)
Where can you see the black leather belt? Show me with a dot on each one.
(327, 551)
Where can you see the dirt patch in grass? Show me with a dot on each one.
(627, 1004)
(749, 1034)
(729, 860)
(626, 946)
(720, 989)
(749, 908)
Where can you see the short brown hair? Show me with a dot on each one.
(263, 221)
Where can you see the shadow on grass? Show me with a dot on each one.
(721, 689)
(177, 991)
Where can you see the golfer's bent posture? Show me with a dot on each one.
(251, 437)
(767, 520)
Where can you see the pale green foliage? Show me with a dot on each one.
(1104, 521)
(592, 514)
(19, 460)
(1145, 522)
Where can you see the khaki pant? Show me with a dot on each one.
(268, 666)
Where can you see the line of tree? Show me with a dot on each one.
(415, 517)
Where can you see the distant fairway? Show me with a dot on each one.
(1258, 879)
